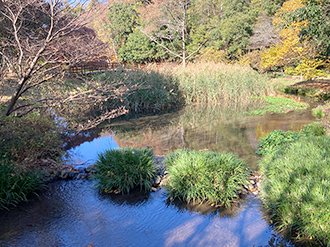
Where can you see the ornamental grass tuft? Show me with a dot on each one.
(15, 185)
(125, 169)
(296, 189)
(207, 176)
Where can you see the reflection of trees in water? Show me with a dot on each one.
(211, 128)
(199, 128)
(76, 140)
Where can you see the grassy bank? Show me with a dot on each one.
(207, 176)
(296, 189)
(274, 104)
(15, 184)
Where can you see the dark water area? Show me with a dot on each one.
(73, 213)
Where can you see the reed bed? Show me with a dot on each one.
(157, 89)
(225, 84)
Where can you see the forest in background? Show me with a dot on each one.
(288, 36)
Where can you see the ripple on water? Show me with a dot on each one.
(72, 213)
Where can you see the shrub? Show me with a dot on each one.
(279, 139)
(147, 90)
(15, 185)
(205, 176)
(124, 169)
(313, 129)
(318, 112)
(29, 138)
(296, 189)
(275, 140)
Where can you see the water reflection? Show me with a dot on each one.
(86, 153)
(71, 213)
(205, 128)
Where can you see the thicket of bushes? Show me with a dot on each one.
(23, 141)
(26, 139)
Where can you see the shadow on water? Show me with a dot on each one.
(72, 213)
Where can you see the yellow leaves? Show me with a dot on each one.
(292, 50)
(309, 68)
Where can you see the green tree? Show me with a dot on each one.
(122, 18)
(317, 15)
(138, 48)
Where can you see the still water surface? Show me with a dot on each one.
(73, 213)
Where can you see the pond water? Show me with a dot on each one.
(211, 128)
(74, 213)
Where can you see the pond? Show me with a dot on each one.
(210, 128)
(74, 213)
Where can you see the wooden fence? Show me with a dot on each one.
(87, 69)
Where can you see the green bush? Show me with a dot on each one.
(296, 189)
(124, 169)
(29, 138)
(147, 90)
(278, 139)
(318, 112)
(15, 185)
(210, 177)
(275, 140)
(313, 129)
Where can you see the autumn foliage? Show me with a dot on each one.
(296, 55)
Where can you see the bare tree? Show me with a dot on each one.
(167, 21)
(40, 40)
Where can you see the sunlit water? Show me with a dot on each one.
(73, 213)
(195, 128)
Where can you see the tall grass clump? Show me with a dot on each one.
(211, 83)
(147, 90)
(124, 169)
(296, 189)
(207, 176)
(15, 185)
